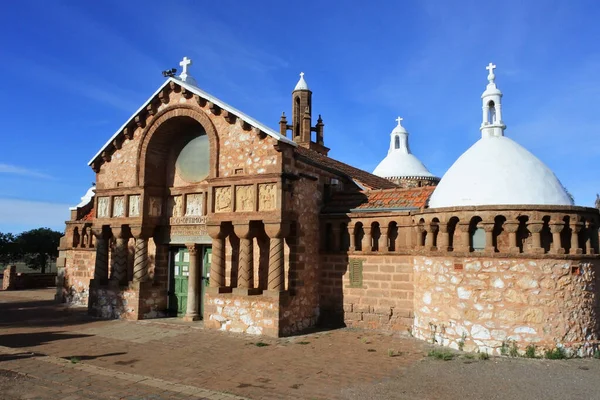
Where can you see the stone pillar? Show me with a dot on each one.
(536, 238)
(140, 261)
(575, 228)
(276, 277)
(556, 230)
(193, 295)
(217, 266)
(419, 236)
(512, 228)
(429, 238)
(101, 266)
(246, 259)
(463, 235)
(118, 273)
(589, 230)
(367, 241)
(443, 237)
(488, 227)
(384, 244)
(352, 238)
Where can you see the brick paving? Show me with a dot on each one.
(61, 353)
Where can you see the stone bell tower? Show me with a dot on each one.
(301, 126)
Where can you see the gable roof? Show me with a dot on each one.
(197, 91)
(364, 178)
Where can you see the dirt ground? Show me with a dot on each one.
(50, 352)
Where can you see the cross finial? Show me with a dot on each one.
(399, 121)
(491, 76)
(301, 74)
(184, 64)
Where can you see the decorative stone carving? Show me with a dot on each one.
(155, 206)
(134, 205)
(103, 207)
(223, 199)
(244, 198)
(176, 206)
(118, 206)
(266, 196)
(193, 204)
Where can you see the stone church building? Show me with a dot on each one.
(201, 212)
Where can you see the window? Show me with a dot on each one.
(491, 112)
(355, 268)
(396, 142)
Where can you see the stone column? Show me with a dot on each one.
(463, 236)
(118, 273)
(276, 277)
(575, 228)
(429, 238)
(352, 238)
(193, 295)
(589, 230)
(101, 266)
(512, 228)
(246, 258)
(384, 244)
(488, 227)
(443, 237)
(556, 230)
(140, 261)
(217, 266)
(367, 241)
(536, 238)
(419, 236)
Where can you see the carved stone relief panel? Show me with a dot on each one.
(134, 205)
(175, 206)
(193, 204)
(267, 193)
(103, 207)
(155, 206)
(118, 206)
(223, 199)
(244, 198)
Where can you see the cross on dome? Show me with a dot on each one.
(491, 76)
(301, 74)
(301, 85)
(399, 121)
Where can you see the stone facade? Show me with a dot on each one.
(299, 239)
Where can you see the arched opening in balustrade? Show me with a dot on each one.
(451, 232)
(435, 230)
(359, 233)
(76, 237)
(393, 235)
(344, 237)
(583, 235)
(422, 233)
(546, 234)
(499, 238)
(375, 236)
(565, 234)
(522, 233)
(476, 235)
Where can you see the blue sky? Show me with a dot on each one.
(74, 71)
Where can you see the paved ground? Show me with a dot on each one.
(50, 352)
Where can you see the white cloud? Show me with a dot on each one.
(18, 215)
(16, 170)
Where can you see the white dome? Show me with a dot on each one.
(494, 171)
(397, 164)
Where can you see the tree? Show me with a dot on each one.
(8, 249)
(38, 247)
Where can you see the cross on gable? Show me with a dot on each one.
(184, 64)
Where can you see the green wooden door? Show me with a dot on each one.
(181, 272)
(206, 260)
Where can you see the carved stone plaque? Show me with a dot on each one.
(223, 199)
(193, 204)
(189, 234)
(244, 198)
(175, 206)
(103, 207)
(134, 205)
(155, 206)
(118, 206)
(267, 196)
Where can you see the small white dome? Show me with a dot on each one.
(498, 171)
(301, 85)
(397, 164)
(400, 162)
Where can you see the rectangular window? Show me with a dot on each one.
(355, 268)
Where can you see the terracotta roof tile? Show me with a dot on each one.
(365, 178)
(397, 198)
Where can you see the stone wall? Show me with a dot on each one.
(133, 302)
(255, 315)
(13, 280)
(377, 295)
(485, 302)
(78, 271)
